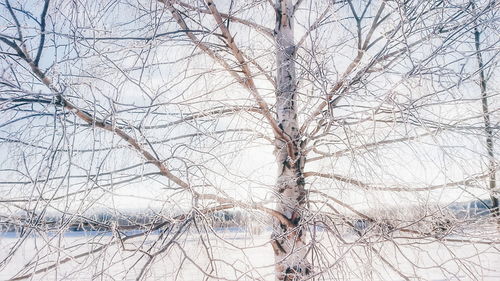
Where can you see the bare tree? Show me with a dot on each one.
(177, 106)
(487, 119)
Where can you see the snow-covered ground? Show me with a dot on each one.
(238, 255)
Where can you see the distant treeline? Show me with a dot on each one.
(107, 221)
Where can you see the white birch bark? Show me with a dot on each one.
(289, 243)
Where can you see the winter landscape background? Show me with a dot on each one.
(249, 140)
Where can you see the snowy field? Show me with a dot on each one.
(238, 255)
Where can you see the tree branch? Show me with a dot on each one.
(42, 32)
(366, 186)
(247, 82)
(264, 30)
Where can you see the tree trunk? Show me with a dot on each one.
(487, 126)
(289, 242)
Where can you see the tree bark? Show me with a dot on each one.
(289, 241)
(487, 126)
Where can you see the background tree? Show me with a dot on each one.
(487, 117)
(176, 107)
